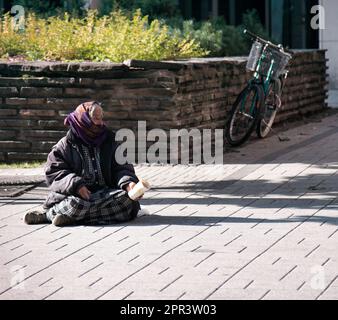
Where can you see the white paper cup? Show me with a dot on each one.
(139, 189)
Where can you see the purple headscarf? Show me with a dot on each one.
(83, 127)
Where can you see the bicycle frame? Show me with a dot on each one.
(253, 107)
(259, 79)
(264, 81)
(257, 76)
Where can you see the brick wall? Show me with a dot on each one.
(35, 97)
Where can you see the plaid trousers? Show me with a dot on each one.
(106, 206)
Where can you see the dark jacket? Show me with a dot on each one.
(64, 168)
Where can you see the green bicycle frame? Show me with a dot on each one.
(267, 80)
(256, 79)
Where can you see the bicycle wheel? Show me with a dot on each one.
(244, 115)
(271, 106)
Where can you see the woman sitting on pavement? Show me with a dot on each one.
(87, 185)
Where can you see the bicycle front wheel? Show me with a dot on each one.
(271, 106)
(244, 115)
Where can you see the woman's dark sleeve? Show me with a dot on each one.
(122, 174)
(59, 175)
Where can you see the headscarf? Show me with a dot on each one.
(83, 127)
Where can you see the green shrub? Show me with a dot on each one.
(154, 9)
(205, 33)
(158, 8)
(115, 38)
(219, 38)
(125, 35)
(252, 22)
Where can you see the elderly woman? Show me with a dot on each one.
(87, 185)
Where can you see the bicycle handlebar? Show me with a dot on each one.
(288, 51)
(256, 37)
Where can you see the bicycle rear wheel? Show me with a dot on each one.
(271, 106)
(244, 115)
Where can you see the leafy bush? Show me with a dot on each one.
(115, 38)
(215, 36)
(252, 22)
(219, 38)
(125, 34)
(154, 9)
(157, 8)
(205, 34)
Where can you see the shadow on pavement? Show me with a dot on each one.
(165, 220)
(320, 183)
(152, 220)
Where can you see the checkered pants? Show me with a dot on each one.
(107, 206)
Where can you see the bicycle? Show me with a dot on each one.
(257, 105)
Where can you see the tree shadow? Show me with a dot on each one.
(309, 184)
(318, 188)
(151, 220)
(253, 202)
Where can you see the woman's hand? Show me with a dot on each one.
(130, 186)
(84, 193)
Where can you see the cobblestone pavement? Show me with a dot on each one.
(262, 226)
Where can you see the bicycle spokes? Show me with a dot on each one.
(272, 104)
(244, 116)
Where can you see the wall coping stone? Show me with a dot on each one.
(8, 68)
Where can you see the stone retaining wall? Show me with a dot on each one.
(35, 97)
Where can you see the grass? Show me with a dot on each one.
(22, 165)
